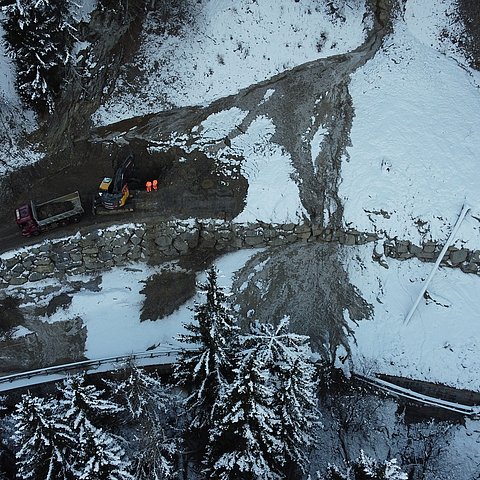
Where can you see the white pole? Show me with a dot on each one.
(464, 211)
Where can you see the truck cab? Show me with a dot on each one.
(25, 220)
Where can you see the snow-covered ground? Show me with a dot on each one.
(273, 195)
(416, 133)
(414, 141)
(441, 341)
(112, 315)
(230, 45)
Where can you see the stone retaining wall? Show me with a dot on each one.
(467, 260)
(116, 246)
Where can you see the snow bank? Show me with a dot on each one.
(442, 340)
(415, 138)
(228, 46)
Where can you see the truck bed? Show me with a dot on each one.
(58, 209)
(49, 210)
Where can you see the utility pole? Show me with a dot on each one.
(464, 212)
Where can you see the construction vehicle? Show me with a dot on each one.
(113, 192)
(33, 218)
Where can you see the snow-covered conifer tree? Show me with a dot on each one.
(85, 403)
(206, 364)
(43, 438)
(366, 468)
(154, 408)
(144, 394)
(287, 356)
(101, 457)
(271, 404)
(243, 440)
(95, 450)
(7, 458)
(38, 36)
(156, 454)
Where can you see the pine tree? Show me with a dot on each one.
(101, 457)
(271, 404)
(243, 440)
(38, 36)
(295, 399)
(206, 365)
(154, 408)
(85, 403)
(43, 438)
(7, 458)
(367, 468)
(156, 454)
(97, 454)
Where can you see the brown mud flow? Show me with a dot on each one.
(78, 157)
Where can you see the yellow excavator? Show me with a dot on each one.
(113, 192)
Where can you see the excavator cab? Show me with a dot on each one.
(105, 185)
(113, 192)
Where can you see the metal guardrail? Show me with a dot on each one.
(397, 391)
(57, 372)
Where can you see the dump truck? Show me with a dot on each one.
(33, 218)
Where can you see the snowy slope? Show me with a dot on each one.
(273, 195)
(112, 315)
(442, 339)
(229, 45)
(416, 134)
